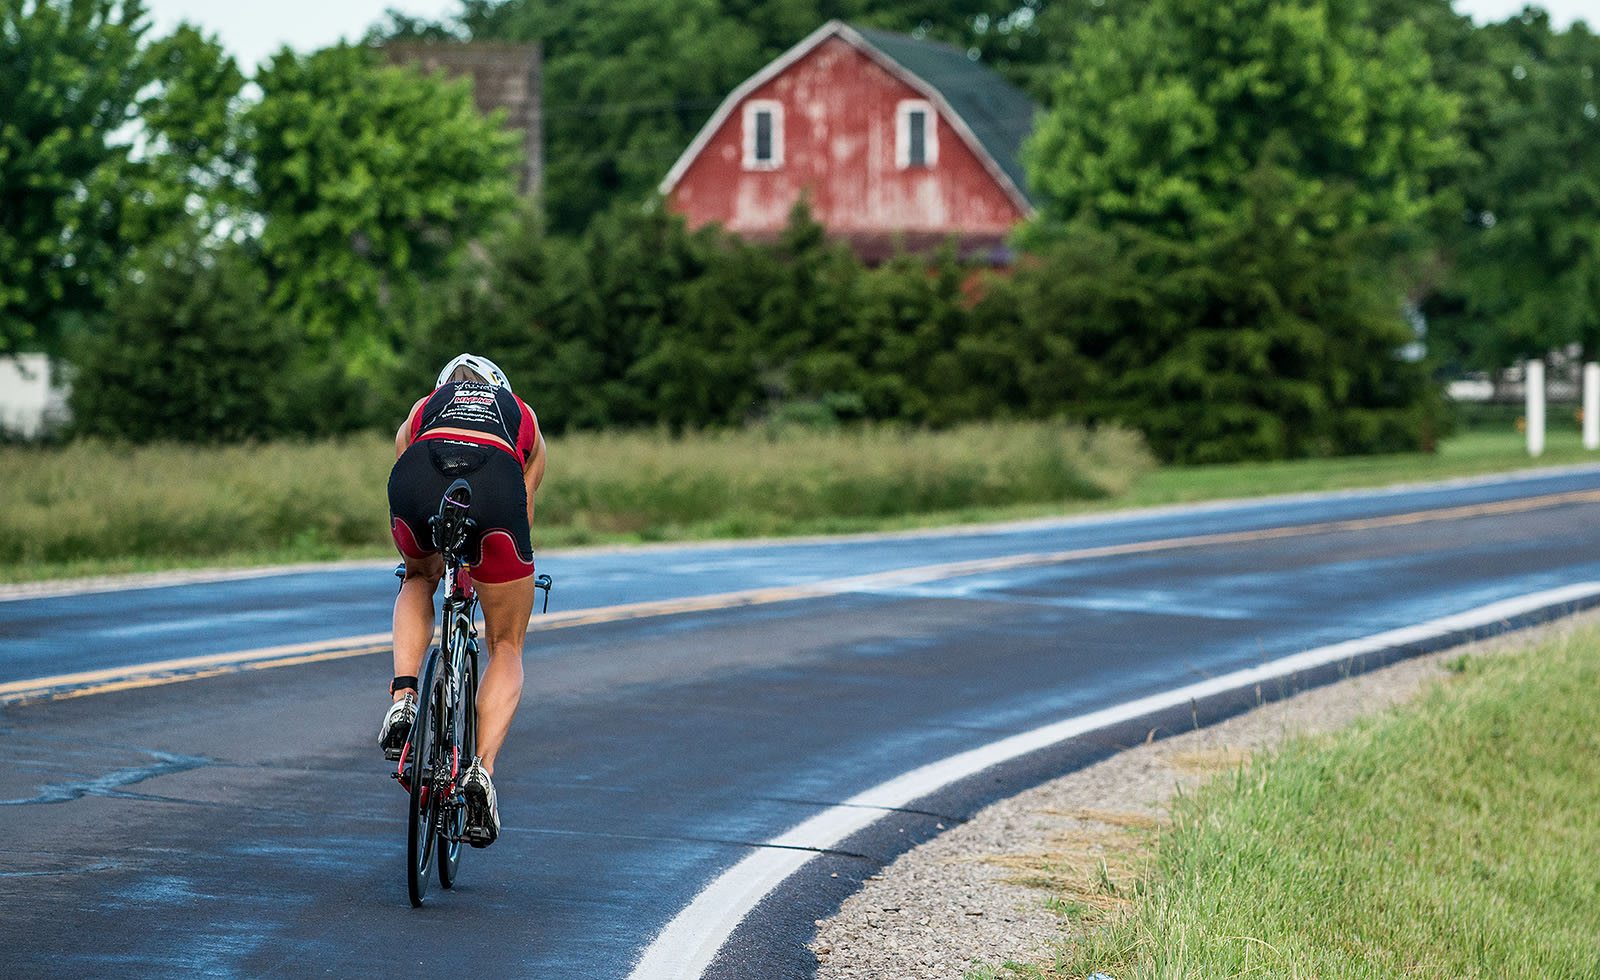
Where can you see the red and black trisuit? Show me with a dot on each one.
(482, 433)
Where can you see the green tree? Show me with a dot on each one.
(626, 82)
(1525, 262)
(369, 182)
(191, 165)
(522, 302)
(1160, 116)
(1260, 165)
(667, 346)
(1260, 342)
(913, 317)
(69, 72)
(1020, 353)
(493, 304)
(187, 351)
(812, 349)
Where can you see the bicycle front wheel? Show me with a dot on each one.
(425, 748)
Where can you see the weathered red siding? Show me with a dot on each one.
(839, 150)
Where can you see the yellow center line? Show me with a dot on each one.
(131, 677)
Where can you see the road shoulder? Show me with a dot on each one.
(964, 900)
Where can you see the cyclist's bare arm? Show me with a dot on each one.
(402, 436)
(533, 474)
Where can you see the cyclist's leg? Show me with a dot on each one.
(503, 576)
(506, 608)
(414, 614)
(414, 489)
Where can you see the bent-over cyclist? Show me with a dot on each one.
(471, 426)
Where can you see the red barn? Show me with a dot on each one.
(892, 141)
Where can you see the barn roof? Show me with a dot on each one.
(999, 114)
(988, 112)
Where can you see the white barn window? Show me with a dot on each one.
(916, 134)
(763, 134)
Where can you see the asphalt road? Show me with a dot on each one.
(244, 824)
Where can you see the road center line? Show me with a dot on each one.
(134, 676)
(686, 947)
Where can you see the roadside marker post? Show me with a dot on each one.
(1534, 382)
(1591, 405)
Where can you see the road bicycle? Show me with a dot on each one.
(446, 727)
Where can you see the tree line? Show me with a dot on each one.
(1247, 207)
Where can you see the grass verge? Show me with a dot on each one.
(1455, 837)
(1467, 454)
(92, 509)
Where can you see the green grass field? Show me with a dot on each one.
(1467, 454)
(94, 508)
(1454, 837)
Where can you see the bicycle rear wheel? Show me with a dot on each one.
(463, 727)
(424, 747)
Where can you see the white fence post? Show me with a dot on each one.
(1591, 405)
(1533, 379)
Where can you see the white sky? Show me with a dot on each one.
(253, 29)
(1562, 12)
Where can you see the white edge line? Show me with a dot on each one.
(688, 944)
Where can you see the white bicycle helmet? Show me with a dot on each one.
(481, 366)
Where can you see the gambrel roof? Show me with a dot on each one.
(988, 113)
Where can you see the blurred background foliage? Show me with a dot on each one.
(1246, 208)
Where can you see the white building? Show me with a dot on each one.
(30, 402)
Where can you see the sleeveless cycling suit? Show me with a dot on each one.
(481, 433)
(481, 414)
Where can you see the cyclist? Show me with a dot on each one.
(471, 426)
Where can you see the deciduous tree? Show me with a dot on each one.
(69, 72)
(190, 166)
(368, 182)
(1525, 261)
(1159, 117)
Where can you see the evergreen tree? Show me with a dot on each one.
(497, 303)
(186, 351)
(813, 348)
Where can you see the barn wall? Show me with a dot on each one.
(839, 143)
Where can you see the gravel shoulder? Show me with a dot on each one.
(977, 894)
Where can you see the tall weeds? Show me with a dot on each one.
(99, 501)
